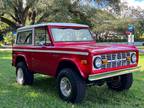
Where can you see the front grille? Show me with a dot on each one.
(116, 60)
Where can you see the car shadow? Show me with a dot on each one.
(45, 84)
(94, 94)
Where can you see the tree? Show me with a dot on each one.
(79, 12)
(15, 12)
(131, 12)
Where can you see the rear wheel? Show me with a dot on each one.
(71, 86)
(23, 75)
(120, 83)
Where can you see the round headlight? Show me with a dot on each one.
(133, 58)
(97, 62)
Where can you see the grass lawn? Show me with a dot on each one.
(43, 93)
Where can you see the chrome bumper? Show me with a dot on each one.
(113, 73)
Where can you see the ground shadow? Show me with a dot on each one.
(45, 84)
(99, 95)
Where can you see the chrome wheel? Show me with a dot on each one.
(65, 87)
(20, 76)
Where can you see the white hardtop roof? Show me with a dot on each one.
(52, 24)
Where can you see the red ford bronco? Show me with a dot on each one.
(68, 52)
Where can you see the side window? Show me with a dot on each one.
(24, 38)
(41, 36)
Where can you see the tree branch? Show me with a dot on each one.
(7, 21)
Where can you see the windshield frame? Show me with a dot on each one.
(70, 27)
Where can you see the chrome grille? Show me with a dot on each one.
(116, 59)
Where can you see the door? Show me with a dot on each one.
(40, 57)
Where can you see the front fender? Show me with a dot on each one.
(77, 64)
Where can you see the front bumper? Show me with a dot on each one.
(112, 73)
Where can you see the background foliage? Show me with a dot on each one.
(108, 19)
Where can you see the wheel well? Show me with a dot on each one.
(67, 64)
(19, 59)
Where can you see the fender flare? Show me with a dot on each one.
(21, 55)
(74, 63)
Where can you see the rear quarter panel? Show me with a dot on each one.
(25, 55)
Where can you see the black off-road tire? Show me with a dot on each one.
(120, 83)
(77, 84)
(28, 76)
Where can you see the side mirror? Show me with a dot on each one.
(42, 43)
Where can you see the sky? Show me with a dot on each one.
(135, 3)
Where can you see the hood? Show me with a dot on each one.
(102, 48)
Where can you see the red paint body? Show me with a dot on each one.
(47, 63)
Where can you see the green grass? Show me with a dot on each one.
(43, 93)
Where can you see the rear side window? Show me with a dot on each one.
(24, 38)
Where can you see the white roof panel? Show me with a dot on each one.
(52, 24)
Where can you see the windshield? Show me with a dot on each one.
(71, 34)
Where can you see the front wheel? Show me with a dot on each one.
(120, 83)
(71, 86)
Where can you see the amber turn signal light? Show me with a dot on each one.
(105, 61)
(84, 62)
(128, 58)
